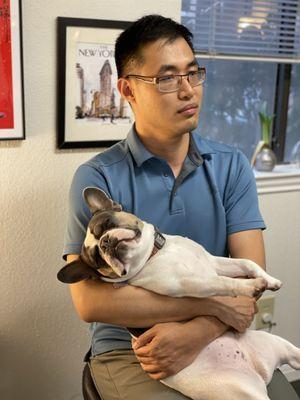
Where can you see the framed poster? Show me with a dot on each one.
(11, 72)
(91, 112)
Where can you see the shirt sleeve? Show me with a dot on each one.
(79, 213)
(241, 199)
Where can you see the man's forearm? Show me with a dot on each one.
(203, 330)
(134, 307)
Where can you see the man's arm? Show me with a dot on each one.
(136, 307)
(248, 244)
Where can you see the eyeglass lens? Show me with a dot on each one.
(174, 82)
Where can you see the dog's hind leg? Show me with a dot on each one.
(269, 352)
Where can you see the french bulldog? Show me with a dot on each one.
(120, 248)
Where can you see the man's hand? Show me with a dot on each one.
(164, 349)
(237, 312)
(167, 348)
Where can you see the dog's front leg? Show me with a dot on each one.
(233, 267)
(220, 286)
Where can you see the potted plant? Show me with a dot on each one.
(264, 158)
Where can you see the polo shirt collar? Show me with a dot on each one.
(141, 154)
(137, 149)
(193, 152)
(201, 145)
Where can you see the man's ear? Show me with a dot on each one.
(77, 271)
(97, 200)
(125, 89)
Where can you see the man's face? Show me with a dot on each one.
(172, 113)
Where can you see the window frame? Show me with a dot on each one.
(281, 106)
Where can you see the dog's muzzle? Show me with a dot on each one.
(117, 241)
(108, 243)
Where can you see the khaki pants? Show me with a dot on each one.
(119, 376)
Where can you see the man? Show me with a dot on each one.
(181, 183)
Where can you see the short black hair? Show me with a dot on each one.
(143, 31)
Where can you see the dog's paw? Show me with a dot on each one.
(260, 285)
(274, 284)
(255, 287)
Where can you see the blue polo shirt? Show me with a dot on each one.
(213, 196)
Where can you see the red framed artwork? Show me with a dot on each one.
(11, 72)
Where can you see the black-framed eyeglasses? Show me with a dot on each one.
(172, 83)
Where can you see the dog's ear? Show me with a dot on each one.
(98, 200)
(77, 271)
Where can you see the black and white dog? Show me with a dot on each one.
(119, 247)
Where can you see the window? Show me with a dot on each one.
(233, 94)
(243, 44)
(292, 143)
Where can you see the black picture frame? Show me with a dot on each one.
(12, 115)
(84, 117)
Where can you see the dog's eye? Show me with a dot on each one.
(105, 225)
(99, 260)
(97, 231)
(94, 257)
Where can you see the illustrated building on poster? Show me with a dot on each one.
(80, 92)
(105, 88)
(97, 96)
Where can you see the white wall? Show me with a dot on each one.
(41, 338)
(281, 212)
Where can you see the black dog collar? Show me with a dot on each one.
(159, 241)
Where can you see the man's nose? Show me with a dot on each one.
(185, 89)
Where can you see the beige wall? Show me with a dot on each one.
(42, 340)
(281, 212)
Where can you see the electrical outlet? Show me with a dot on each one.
(265, 312)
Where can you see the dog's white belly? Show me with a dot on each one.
(225, 363)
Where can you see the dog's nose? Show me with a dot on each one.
(107, 242)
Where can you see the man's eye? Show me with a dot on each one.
(165, 79)
(193, 73)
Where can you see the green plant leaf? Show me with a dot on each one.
(266, 123)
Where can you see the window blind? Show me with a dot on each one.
(268, 30)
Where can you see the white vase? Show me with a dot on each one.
(265, 159)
